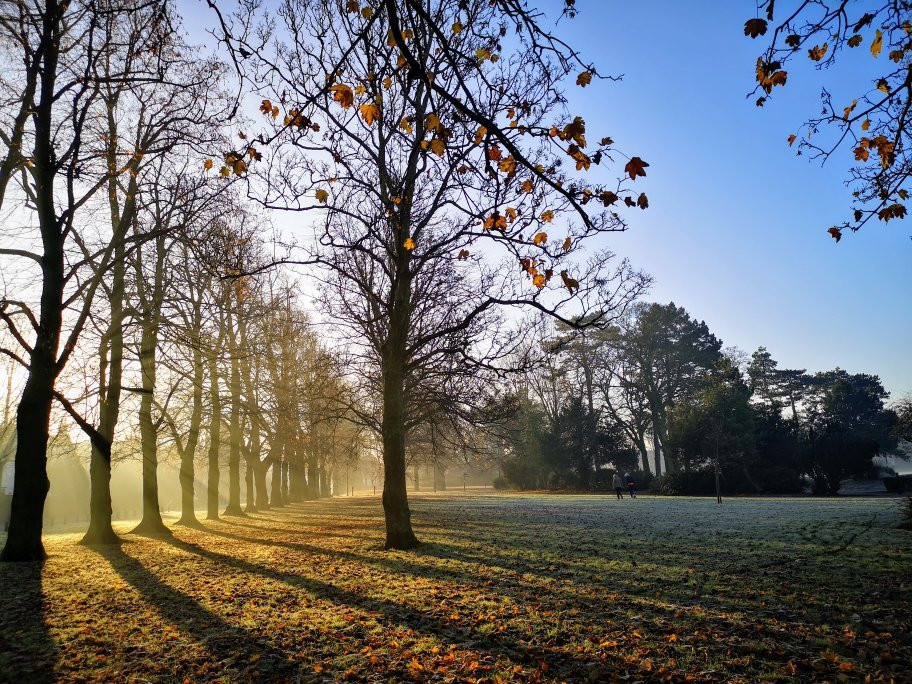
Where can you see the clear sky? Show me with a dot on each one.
(736, 227)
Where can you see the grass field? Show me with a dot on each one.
(506, 588)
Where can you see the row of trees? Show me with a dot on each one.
(659, 391)
(431, 152)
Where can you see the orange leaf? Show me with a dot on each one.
(369, 112)
(343, 95)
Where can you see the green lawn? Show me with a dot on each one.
(506, 588)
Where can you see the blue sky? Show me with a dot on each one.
(736, 227)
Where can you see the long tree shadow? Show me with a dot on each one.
(28, 652)
(221, 639)
(402, 615)
(512, 573)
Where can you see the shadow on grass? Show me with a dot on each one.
(224, 642)
(28, 653)
(403, 615)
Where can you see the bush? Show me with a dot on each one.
(501, 483)
(897, 484)
(779, 480)
(691, 483)
(643, 479)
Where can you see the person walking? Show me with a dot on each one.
(618, 483)
(631, 485)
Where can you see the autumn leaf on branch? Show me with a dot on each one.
(369, 112)
(343, 95)
(570, 283)
(635, 167)
(755, 27)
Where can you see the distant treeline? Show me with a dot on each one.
(658, 397)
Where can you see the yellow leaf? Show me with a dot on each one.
(584, 79)
(539, 280)
(387, 83)
(351, 6)
(322, 195)
(225, 171)
(547, 216)
(482, 54)
(540, 238)
(480, 135)
(883, 86)
(457, 27)
(567, 243)
(406, 125)
(239, 167)
(252, 153)
(360, 90)
(866, 124)
(370, 112)
(432, 122)
(510, 214)
(207, 164)
(877, 43)
(507, 165)
(438, 147)
(463, 254)
(527, 185)
(409, 244)
(367, 12)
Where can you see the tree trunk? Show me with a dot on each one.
(718, 484)
(30, 482)
(215, 436)
(439, 478)
(234, 429)
(313, 477)
(656, 453)
(276, 498)
(187, 475)
(399, 534)
(151, 522)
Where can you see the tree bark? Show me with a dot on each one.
(234, 429)
(33, 415)
(151, 523)
(215, 436)
(187, 475)
(399, 534)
